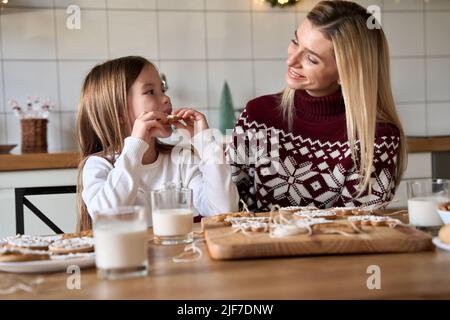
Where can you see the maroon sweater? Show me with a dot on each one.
(312, 165)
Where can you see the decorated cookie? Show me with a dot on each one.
(349, 211)
(252, 226)
(173, 118)
(10, 254)
(28, 242)
(293, 209)
(72, 245)
(369, 220)
(86, 233)
(329, 215)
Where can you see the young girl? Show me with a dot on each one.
(123, 111)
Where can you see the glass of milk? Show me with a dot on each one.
(424, 196)
(172, 215)
(120, 237)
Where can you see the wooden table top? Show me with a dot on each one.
(423, 275)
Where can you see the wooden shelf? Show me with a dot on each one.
(428, 144)
(69, 160)
(39, 161)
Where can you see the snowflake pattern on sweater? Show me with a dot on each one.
(271, 166)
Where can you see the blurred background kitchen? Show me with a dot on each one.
(198, 45)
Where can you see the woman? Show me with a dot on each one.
(333, 137)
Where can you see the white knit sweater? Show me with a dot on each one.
(128, 182)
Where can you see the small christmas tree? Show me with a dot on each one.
(226, 110)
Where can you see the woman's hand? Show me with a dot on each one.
(195, 121)
(149, 125)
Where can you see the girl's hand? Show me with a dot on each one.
(195, 121)
(149, 125)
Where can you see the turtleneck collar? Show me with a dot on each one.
(319, 108)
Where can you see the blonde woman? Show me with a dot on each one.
(123, 111)
(333, 137)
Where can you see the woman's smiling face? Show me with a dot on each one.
(311, 63)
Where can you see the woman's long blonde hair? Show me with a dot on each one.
(362, 58)
(103, 121)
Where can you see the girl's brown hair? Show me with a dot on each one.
(362, 58)
(103, 122)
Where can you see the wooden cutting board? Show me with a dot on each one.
(223, 244)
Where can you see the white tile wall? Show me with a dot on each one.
(83, 4)
(88, 42)
(187, 83)
(2, 129)
(269, 76)
(438, 75)
(23, 78)
(132, 33)
(272, 33)
(180, 5)
(239, 76)
(437, 5)
(229, 35)
(184, 39)
(408, 86)
(403, 5)
(23, 39)
(414, 118)
(229, 5)
(199, 44)
(131, 4)
(404, 31)
(3, 106)
(71, 76)
(33, 3)
(437, 27)
(68, 131)
(439, 118)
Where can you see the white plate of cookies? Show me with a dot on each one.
(38, 254)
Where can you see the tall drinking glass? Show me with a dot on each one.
(172, 215)
(120, 236)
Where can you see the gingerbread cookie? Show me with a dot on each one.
(9, 254)
(376, 221)
(171, 118)
(329, 215)
(252, 226)
(255, 224)
(349, 211)
(223, 217)
(29, 242)
(86, 233)
(72, 245)
(293, 209)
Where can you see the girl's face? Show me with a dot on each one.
(147, 94)
(311, 63)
